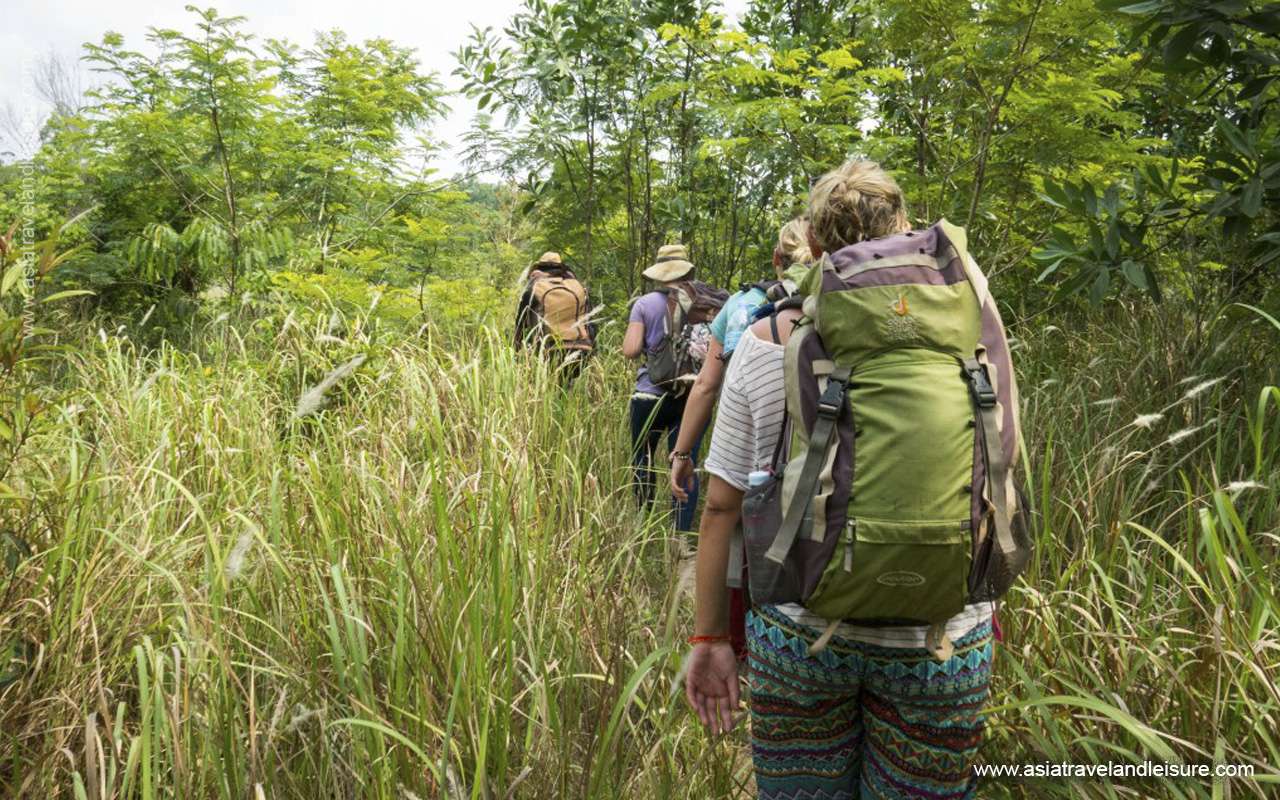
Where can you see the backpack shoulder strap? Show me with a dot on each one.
(790, 301)
(830, 406)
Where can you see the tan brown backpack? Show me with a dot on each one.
(560, 303)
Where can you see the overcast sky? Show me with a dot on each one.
(435, 29)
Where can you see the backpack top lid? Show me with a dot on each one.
(932, 256)
(546, 271)
(910, 290)
(698, 302)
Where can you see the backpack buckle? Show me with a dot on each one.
(832, 398)
(980, 385)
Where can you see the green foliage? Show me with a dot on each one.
(309, 527)
(434, 581)
(1215, 113)
(453, 301)
(27, 356)
(448, 301)
(215, 159)
(633, 124)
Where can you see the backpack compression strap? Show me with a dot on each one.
(824, 428)
(984, 401)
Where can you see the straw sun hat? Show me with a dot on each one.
(671, 264)
(549, 259)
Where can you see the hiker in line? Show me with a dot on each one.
(877, 707)
(554, 315)
(669, 329)
(790, 257)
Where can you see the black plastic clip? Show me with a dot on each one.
(980, 386)
(832, 398)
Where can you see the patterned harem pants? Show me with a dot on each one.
(861, 721)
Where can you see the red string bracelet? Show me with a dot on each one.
(707, 639)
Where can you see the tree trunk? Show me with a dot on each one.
(229, 193)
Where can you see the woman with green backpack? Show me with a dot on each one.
(869, 654)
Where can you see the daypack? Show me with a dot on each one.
(892, 498)
(776, 294)
(691, 306)
(560, 303)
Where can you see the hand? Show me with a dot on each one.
(711, 684)
(681, 476)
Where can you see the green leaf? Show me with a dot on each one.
(63, 295)
(1235, 226)
(1134, 274)
(1251, 198)
(1077, 281)
(1096, 241)
(1054, 196)
(1275, 322)
(1153, 286)
(1255, 88)
(1152, 173)
(1267, 20)
(1135, 9)
(1177, 46)
(1237, 138)
(1090, 198)
(1101, 285)
(11, 277)
(1132, 235)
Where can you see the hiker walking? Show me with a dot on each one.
(867, 445)
(554, 315)
(790, 258)
(670, 329)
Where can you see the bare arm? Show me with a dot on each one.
(697, 412)
(711, 683)
(633, 340)
(711, 596)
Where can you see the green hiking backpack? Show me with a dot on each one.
(897, 504)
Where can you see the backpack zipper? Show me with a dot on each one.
(849, 529)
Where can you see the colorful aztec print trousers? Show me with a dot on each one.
(862, 721)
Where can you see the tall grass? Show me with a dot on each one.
(436, 583)
(1148, 626)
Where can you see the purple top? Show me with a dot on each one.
(651, 311)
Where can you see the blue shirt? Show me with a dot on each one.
(734, 319)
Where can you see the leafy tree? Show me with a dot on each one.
(1211, 111)
(353, 102)
(211, 159)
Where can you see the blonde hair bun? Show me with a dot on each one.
(854, 202)
(793, 242)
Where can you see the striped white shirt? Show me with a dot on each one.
(748, 422)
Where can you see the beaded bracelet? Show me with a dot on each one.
(707, 639)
